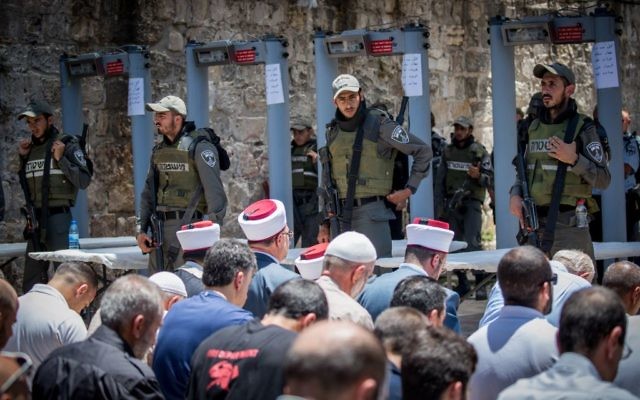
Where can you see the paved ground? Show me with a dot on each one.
(469, 313)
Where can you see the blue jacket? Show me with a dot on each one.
(270, 275)
(378, 292)
(185, 326)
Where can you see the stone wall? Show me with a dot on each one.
(33, 34)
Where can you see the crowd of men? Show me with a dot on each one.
(221, 318)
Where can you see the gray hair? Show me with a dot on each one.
(576, 262)
(127, 297)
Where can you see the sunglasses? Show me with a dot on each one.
(25, 363)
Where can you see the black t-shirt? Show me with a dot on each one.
(240, 362)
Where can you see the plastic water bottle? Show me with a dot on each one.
(74, 236)
(582, 216)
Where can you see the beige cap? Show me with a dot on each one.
(169, 103)
(345, 83)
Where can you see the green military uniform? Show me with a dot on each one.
(382, 139)
(61, 181)
(178, 167)
(304, 177)
(590, 171)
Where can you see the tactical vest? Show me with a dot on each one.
(61, 191)
(177, 173)
(458, 163)
(541, 168)
(303, 170)
(376, 172)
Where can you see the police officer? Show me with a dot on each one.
(546, 150)
(464, 175)
(382, 139)
(304, 174)
(52, 169)
(184, 172)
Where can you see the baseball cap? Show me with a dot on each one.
(35, 108)
(557, 69)
(300, 124)
(463, 121)
(430, 233)
(345, 83)
(169, 282)
(169, 103)
(263, 219)
(352, 246)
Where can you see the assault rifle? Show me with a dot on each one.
(527, 234)
(329, 193)
(403, 108)
(157, 224)
(31, 231)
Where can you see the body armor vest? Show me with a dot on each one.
(376, 172)
(458, 162)
(61, 190)
(303, 170)
(541, 168)
(177, 173)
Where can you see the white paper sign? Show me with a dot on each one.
(136, 97)
(273, 82)
(605, 66)
(412, 74)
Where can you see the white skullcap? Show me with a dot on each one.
(431, 234)
(263, 219)
(198, 236)
(352, 246)
(169, 282)
(309, 263)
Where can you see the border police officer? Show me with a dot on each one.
(304, 176)
(184, 172)
(547, 149)
(382, 139)
(53, 167)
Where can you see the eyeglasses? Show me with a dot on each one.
(25, 363)
(288, 233)
(553, 280)
(626, 352)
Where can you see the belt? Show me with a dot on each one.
(543, 211)
(362, 201)
(168, 215)
(54, 210)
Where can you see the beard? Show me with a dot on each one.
(358, 287)
(146, 342)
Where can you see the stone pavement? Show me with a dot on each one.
(469, 314)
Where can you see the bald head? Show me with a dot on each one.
(623, 278)
(335, 360)
(8, 311)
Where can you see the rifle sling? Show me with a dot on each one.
(558, 187)
(354, 170)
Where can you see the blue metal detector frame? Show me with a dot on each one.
(558, 30)
(269, 50)
(411, 39)
(131, 61)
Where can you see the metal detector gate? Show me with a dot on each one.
(270, 51)
(409, 42)
(131, 61)
(600, 28)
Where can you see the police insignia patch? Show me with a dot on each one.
(399, 135)
(209, 158)
(79, 155)
(595, 151)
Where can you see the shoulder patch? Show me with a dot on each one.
(209, 158)
(400, 135)
(595, 151)
(79, 155)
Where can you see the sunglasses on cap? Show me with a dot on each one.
(25, 363)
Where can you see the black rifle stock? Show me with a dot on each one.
(157, 225)
(329, 193)
(529, 233)
(403, 108)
